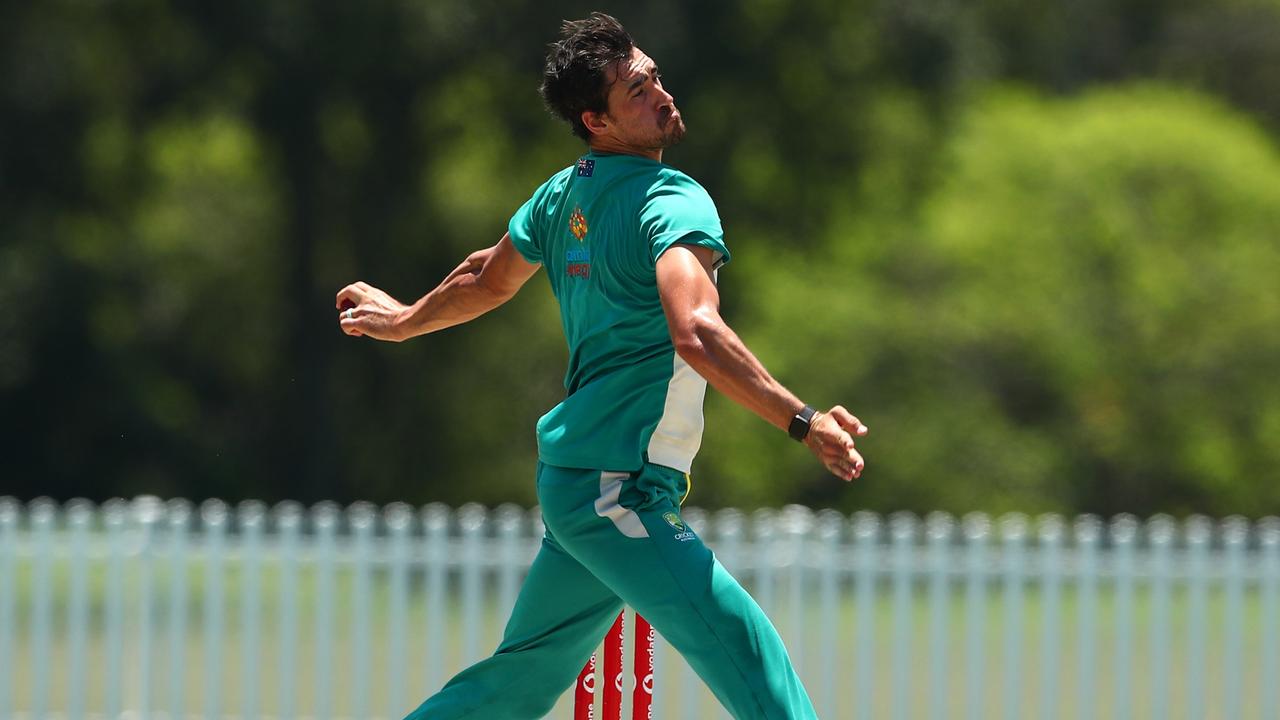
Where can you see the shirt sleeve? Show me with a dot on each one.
(679, 210)
(523, 228)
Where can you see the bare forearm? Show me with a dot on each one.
(686, 282)
(461, 297)
(716, 352)
(485, 280)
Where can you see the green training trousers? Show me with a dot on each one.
(615, 538)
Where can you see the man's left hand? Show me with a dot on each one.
(831, 439)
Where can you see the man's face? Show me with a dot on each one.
(641, 113)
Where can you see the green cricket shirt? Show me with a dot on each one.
(599, 227)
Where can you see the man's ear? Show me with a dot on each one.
(595, 122)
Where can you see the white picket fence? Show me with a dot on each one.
(147, 609)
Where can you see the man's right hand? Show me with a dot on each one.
(365, 310)
(830, 438)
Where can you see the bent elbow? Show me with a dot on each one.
(689, 347)
(694, 338)
(498, 291)
(502, 294)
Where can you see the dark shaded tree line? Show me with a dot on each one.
(1030, 243)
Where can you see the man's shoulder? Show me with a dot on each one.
(544, 197)
(556, 182)
(668, 176)
(672, 184)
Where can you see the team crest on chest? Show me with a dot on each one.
(578, 260)
(578, 224)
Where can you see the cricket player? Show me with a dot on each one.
(631, 247)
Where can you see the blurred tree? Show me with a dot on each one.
(1107, 272)
(1081, 319)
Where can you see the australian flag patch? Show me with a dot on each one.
(586, 166)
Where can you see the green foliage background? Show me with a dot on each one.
(1034, 245)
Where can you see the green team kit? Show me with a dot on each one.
(613, 463)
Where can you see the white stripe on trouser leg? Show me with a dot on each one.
(627, 522)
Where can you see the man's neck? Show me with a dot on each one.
(612, 146)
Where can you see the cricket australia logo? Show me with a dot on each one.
(578, 260)
(578, 224)
(683, 533)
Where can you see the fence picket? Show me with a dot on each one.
(1235, 532)
(1197, 529)
(830, 535)
(213, 520)
(902, 538)
(1049, 569)
(43, 516)
(435, 519)
(1160, 538)
(147, 513)
(325, 517)
(977, 532)
(79, 522)
(178, 528)
(398, 518)
(252, 517)
(1124, 531)
(866, 532)
(1013, 536)
(1269, 543)
(938, 529)
(113, 516)
(1088, 533)
(472, 521)
(361, 517)
(288, 522)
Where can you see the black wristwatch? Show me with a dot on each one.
(799, 429)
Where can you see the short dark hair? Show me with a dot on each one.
(574, 79)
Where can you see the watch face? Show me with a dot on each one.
(799, 427)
